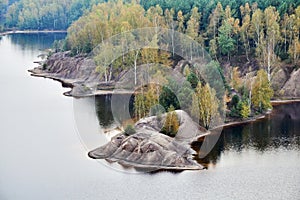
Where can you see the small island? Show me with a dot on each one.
(155, 143)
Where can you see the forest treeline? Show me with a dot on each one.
(264, 34)
(43, 14)
(261, 34)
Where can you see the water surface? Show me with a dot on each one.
(43, 157)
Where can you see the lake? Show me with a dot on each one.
(45, 138)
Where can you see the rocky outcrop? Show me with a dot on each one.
(77, 72)
(291, 89)
(148, 148)
(71, 69)
(279, 78)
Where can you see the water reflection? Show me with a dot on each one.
(111, 117)
(103, 109)
(278, 131)
(35, 41)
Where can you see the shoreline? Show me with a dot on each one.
(237, 123)
(31, 31)
(285, 101)
(71, 84)
(259, 117)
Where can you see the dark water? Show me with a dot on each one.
(279, 131)
(44, 142)
(35, 41)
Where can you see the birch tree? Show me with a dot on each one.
(205, 105)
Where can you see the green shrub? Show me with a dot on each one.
(129, 130)
(44, 66)
(235, 100)
(193, 79)
(244, 110)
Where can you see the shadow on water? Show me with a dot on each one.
(280, 130)
(107, 119)
(35, 40)
(103, 109)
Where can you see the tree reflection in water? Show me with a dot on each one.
(281, 129)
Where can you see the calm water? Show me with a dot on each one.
(45, 137)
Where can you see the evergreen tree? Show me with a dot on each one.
(193, 79)
(167, 98)
(225, 40)
(185, 96)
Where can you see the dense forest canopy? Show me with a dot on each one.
(56, 14)
(44, 14)
(264, 31)
(3, 7)
(208, 5)
(246, 29)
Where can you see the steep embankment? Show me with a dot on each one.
(285, 79)
(77, 72)
(291, 88)
(80, 74)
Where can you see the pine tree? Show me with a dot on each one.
(225, 40)
(185, 96)
(193, 79)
